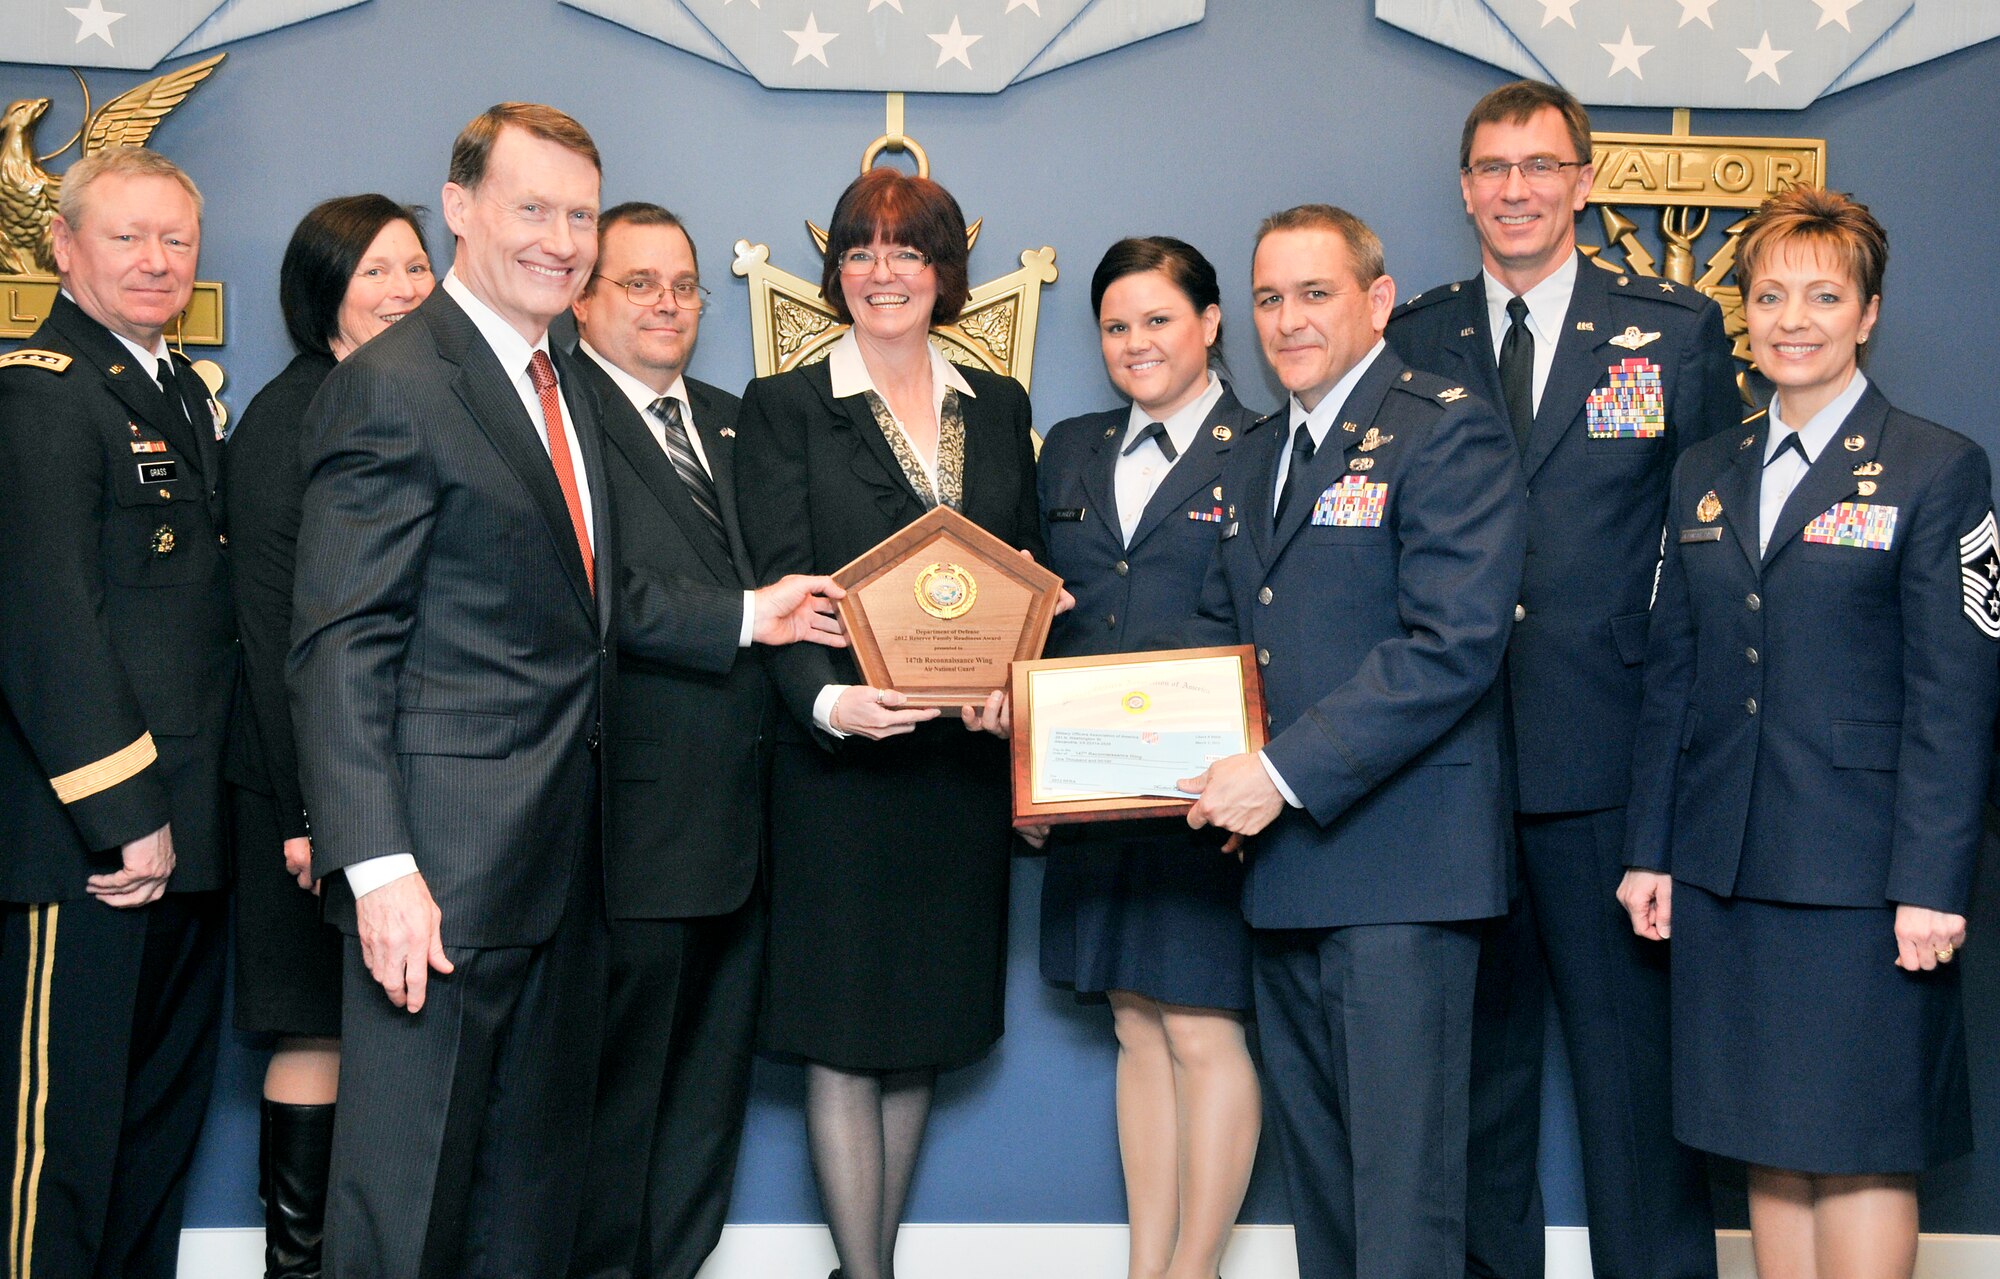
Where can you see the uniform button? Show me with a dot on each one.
(1263, 657)
(1111, 620)
(167, 493)
(590, 742)
(222, 538)
(1751, 653)
(1750, 705)
(1520, 612)
(1123, 568)
(1263, 595)
(1751, 602)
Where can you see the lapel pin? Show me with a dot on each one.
(1110, 431)
(1466, 332)
(1218, 492)
(1854, 443)
(115, 370)
(1586, 326)
(1868, 468)
(1632, 338)
(1866, 488)
(1708, 508)
(1222, 433)
(1748, 440)
(1361, 464)
(727, 432)
(1374, 439)
(1349, 426)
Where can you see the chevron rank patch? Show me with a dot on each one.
(1351, 502)
(1859, 524)
(1632, 407)
(1979, 567)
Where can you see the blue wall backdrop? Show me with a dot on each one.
(1197, 133)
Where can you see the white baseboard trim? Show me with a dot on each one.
(1070, 1252)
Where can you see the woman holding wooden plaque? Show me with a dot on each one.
(1146, 914)
(889, 832)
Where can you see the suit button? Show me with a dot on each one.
(1751, 653)
(1520, 612)
(1263, 595)
(222, 538)
(1263, 657)
(1751, 602)
(1750, 705)
(1123, 568)
(1111, 620)
(590, 742)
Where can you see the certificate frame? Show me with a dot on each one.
(1024, 684)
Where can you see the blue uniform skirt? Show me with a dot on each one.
(1798, 1044)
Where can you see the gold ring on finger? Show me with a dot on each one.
(1944, 955)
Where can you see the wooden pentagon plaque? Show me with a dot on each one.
(937, 611)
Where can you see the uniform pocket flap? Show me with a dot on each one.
(1862, 744)
(1629, 634)
(467, 733)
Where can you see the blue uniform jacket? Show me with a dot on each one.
(1594, 506)
(1818, 724)
(1380, 613)
(1136, 597)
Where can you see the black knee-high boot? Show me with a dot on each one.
(298, 1143)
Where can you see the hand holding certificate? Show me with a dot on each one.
(1099, 738)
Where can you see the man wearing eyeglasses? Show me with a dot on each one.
(1606, 377)
(688, 756)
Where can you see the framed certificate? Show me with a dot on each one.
(1105, 738)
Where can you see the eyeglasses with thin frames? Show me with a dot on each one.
(689, 295)
(1539, 170)
(901, 262)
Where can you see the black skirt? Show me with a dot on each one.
(287, 957)
(1798, 1044)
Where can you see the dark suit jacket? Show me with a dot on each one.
(1136, 597)
(264, 493)
(449, 660)
(687, 748)
(1379, 648)
(1594, 509)
(117, 640)
(1818, 724)
(817, 486)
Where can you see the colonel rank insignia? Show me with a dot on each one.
(1979, 566)
(1351, 502)
(1632, 407)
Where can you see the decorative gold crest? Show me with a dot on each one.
(1135, 702)
(1632, 339)
(163, 540)
(1362, 464)
(945, 590)
(1221, 433)
(1708, 508)
(1374, 440)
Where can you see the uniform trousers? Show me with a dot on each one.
(1646, 1196)
(680, 1036)
(459, 1141)
(110, 1021)
(1367, 1038)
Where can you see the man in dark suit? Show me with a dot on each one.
(689, 763)
(117, 664)
(1605, 379)
(1371, 551)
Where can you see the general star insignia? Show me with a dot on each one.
(1374, 439)
(1666, 286)
(1868, 468)
(1632, 339)
(1452, 396)
(1708, 508)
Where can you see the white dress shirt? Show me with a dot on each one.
(1548, 306)
(850, 376)
(1782, 474)
(642, 397)
(1137, 475)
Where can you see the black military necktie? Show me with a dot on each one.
(170, 387)
(1302, 453)
(1790, 444)
(1153, 431)
(1517, 370)
(667, 411)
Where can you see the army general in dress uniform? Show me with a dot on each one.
(117, 662)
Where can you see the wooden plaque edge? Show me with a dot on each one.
(1064, 812)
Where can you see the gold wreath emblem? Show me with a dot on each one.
(945, 591)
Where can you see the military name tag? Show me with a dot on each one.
(164, 472)
(1066, 514)
(1632, 407)
(1859, 524)
(1713, 534)
(1351, 502)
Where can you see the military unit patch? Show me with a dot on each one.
(1351, 502)
(1979, 567)
(1860, 524)
(1633, 407)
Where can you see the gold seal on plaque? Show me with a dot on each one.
(945, 591)
(1135, 702)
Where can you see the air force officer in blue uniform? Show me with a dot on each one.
(1371, 552)
(1605, 379)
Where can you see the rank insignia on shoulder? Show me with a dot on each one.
(1451, 396)
(1666, 286)
(53, 361)
(1632, 338)
(163, 540)
(1222, 433)
(1868, 469)
(1979, 560)
(1708, 508)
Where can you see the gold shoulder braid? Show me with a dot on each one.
(951, 451)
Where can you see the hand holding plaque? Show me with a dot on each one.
(939, 610)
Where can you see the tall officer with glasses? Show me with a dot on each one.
(1605, 378)
(689, 756)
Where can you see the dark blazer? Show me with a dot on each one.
(817, 486)
(117, 639)
(1136, 597)
(1379, 648)
(1818, 724)
(1594, 509)
(265, 490)
(449, 659)
(688, 744)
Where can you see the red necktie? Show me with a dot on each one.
(543, 375)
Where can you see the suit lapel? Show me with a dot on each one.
(133, 384)
(1831, 478)
(1470, 343)
(1579, 364)
(1739, 489)
(587, 417)
(625, 426)
(1197, 467)
(1329, 461)
(873, 461)
(711, 421)
(1100, 476)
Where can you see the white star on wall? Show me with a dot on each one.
(1764, 60)
(812, 41)
(897, 5)
(94, 21)
(1693, 10)
(1625, 55)
(954, 44)
(1553, 9)
(1032, 6)
(1834, 11)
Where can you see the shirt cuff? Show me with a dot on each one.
(823, 708)
(749, 619)
(365, 877)
(1271, 771)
